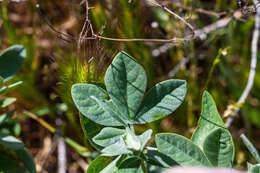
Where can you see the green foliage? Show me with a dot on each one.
(211, 136)
(181, 150)
(10, 62)
(253, 168)
(124, 103)
(219, 148)
(99, 164)
(209, 121)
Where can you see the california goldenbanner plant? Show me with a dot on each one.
(124, 104)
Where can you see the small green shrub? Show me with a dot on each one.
(124, 103)
(12, 150)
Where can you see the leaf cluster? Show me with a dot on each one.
(125, 103)
(12, 150)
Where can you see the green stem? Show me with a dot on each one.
(143, 167)
(216, 61)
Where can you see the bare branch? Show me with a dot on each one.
(250, 82)
(203, 33)
(154, 2)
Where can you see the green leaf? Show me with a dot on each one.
(99, 164)
(181, 150)
(6, 102)
(9, 88)
(219, 148)
(10, 165)
(90, 108)
(132, 141)
(107, 106)
(251, 148)
(6, 117)
(164, 98)
(11, 61)
(108, 136)
(11, 142)
(145, 137)
(125, 81)
(209, 121)
(116, 149)
(155, 157)
(112, 167)
(131, 164)
(90, 129)
(253, 168)
(27, 159)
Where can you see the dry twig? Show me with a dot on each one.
(250, 82)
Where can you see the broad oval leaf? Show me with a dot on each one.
(209, 121)
(253, 168)
(11, 142)
(108, 136)
(27, 159)
(97, 165)
(81, 95)
(125, 81)
(181, 150)
(219, 148)
(164, 98)
(11, 61)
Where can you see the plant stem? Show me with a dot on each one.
(250, 147)
(216, 61)
(143, 167)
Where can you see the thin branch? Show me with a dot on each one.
(154, 2)
(84, 34)
(250, 82)
(197, 10)
(203, 33)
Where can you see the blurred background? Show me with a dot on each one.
(50, 34)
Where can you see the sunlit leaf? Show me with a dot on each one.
(81, 94)
(209, 121)
(125, 81)
(97, 165)
(108, 136)
(164, 98)
(219, 148)
(181, 150)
